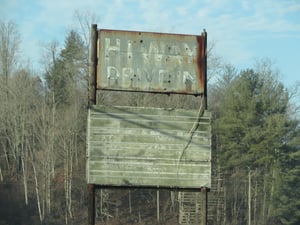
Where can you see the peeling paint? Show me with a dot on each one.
(151, 62)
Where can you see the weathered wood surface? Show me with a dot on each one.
(148, 147)
(192, 208)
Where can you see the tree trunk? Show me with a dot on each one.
(36, 187)
(1, 176)
(249, 197)
(225, 204)
(263, 211)
(235, 203)
(255, 202)
(70, 163)
(24, 180)
(273, 183)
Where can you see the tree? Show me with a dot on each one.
(287, 195)
(65, 79)
(253, 130)
(42, 126)
(9, 47)
(67, 69)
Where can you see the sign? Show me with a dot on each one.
(137, 146)
(151, 62)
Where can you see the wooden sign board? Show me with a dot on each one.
(152, 147)
(151, 62)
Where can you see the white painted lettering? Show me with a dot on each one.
(109, 47)
(149, 64)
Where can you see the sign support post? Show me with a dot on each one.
(91, 204)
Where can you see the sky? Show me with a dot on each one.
(241, 31)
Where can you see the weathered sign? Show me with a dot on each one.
(129, 146)
(148, 147)
(151, 62)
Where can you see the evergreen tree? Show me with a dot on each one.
(253, 133)
(287, 198)
(67, 70)
(252, 121)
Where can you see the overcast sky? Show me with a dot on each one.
(241, 30)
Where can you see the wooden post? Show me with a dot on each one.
(93, 66)
(92, 101)
(157, 205)
(203, 218)
(91, 204)
(129, 203)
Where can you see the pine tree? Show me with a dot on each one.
(253, 131)
(287, 198)
(68, 70)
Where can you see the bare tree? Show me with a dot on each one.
(9, 47)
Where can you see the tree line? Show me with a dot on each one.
(255, 143)
(42, 125)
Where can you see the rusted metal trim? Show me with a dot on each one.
(147, 32)
(93, 66)
(202, 64)
(204, 35)
(154, 92)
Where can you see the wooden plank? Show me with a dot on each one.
(150, 166)
(192, 207)
(150, 154)
(180, 132)
(148, 139)
(154, 125)
(143, 178)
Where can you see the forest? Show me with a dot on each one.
(43, 113)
